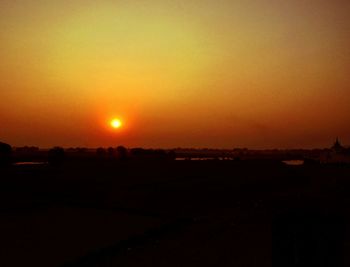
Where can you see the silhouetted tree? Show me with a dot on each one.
(122, 152)
(81, 150)
(159, 154)
(171, 155)
(27, 149)
(111, 151)
(138, 152)
(101, 152)
(5, 154)
(56, 156)
(150, 154)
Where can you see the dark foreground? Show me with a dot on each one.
(175, 213)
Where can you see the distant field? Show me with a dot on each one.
(173, 213)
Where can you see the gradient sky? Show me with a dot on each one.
(195, 73)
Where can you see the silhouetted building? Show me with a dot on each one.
(337, 154)
(56, 156)
(337, 147)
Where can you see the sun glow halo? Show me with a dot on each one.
(116, 123)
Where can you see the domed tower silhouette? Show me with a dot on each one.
(337, 147)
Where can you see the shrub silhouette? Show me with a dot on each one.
(111, 152)
(101, 152)
(149, 154)
(27, 149)
(138, 152)
(122, 152)
(159, 153)
(56, 156)
(5, 154)
(171, 155)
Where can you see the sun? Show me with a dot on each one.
(116, 123)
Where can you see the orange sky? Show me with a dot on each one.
(257, 74)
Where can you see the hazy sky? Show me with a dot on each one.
(194, 73)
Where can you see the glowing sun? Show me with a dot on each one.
(116, 123)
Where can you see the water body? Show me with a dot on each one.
(294, 162)
(203, 158)
(29, 163)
